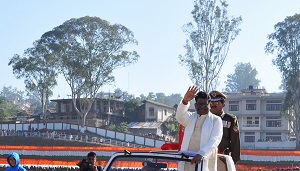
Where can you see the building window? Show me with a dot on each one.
(274, 123)
(250, 106)
(273, 136)
(249, 120)
(67, 108)
(273, 105)
(233, 107)
(256, 121)
(63, 108)
(151, 111)
(249, 137)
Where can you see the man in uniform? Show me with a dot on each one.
(230, 143)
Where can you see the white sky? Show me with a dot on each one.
(157, 25)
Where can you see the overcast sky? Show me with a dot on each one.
(157, 25)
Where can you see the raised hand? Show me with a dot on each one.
(190, 94)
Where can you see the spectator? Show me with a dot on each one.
(89, 164)
(13, 160)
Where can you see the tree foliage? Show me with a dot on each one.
(87, 50)
(122, 127)
(209, 37)
(151, 96)
(131, 109)
(170, 100)
(11, 93)
(118, 93)
(37, 69)
(284, 43)
(7, 109)
(171, 127)
(244, 76)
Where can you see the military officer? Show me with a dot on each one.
(230, 143)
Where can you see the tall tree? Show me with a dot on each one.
(151, 96)
(37, 69)
(168, 100)
(11, 93)
(209, 38)
(244, 75)
(131, 112)
(87, 50)
(171, 127)
(118, 93)
(173, 99)
(123, 127)
(142, 97)
(7, 109)
(284, 43)
(160, 98)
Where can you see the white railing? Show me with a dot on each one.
(115, 137)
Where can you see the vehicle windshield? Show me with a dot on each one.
(145, 163)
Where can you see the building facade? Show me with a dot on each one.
(102, 112)
(151, 111)
(262, 124)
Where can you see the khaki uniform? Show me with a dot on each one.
(230, 143)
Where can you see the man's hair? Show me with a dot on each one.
(202, 95)
(91, 154)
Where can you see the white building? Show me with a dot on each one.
(262, 125)
(151, 111)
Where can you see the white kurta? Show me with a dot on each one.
(195, 140)
(211, 135)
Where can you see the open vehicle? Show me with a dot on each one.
(166, 159)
